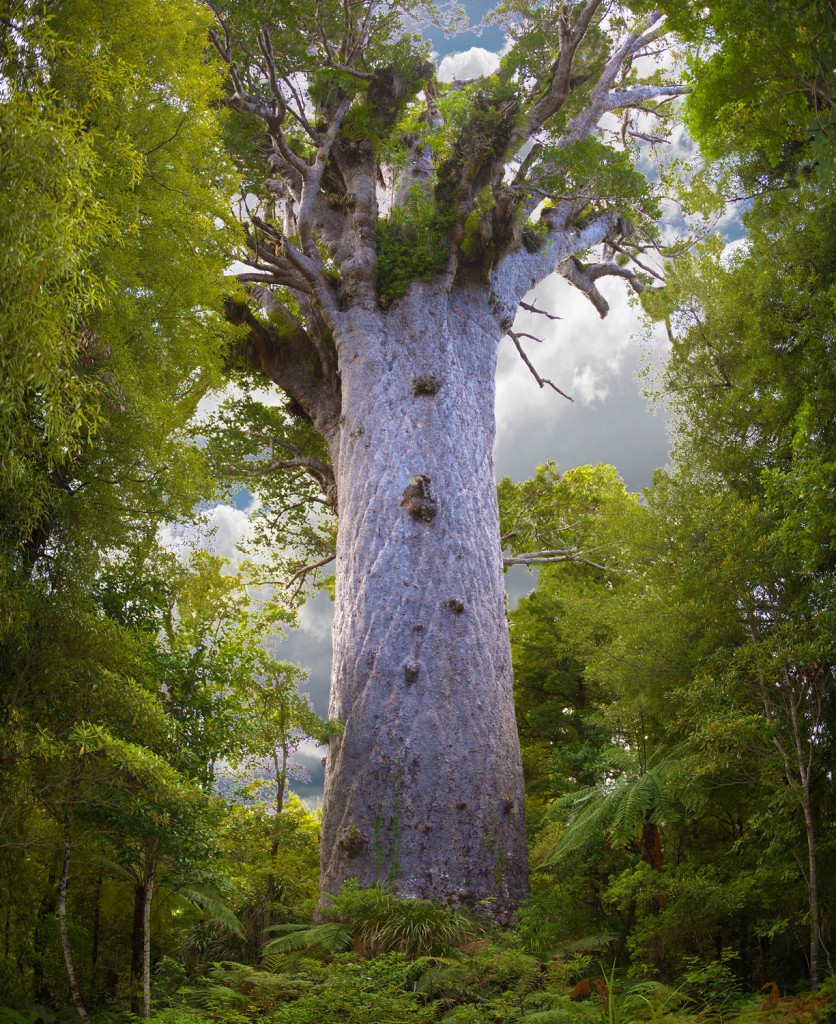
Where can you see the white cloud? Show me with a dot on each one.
(588, 386)
(473, 63)
(739, 245)
(229, 527)
(581, 353)
(222, 529)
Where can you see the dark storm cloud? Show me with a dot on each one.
(619, 429)
(310, 647)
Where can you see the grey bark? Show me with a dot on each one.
(75, 990)
(150, 876)
(424, 790)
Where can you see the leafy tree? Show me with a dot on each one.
(748, 385)
(712, 643)
(764, 96)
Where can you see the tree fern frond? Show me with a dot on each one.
(214, 911)
(319, 940)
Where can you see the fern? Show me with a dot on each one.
(212, 997)
(214, 912)
(653, 793)
(300, 940)
(570, 1013)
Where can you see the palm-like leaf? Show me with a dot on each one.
(305, 940)
(214, 911)
(651, 794)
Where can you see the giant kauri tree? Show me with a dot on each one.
(395, 226)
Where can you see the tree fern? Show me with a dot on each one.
(649, 793)
(214, 912)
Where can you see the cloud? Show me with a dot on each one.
(740, 246)
(473, 63)
(229, 526)
(593, 360)
(587, 385)
(223, 528)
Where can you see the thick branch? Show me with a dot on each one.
(519, 270)
(288, 360)
(584, 278)
(560, 81)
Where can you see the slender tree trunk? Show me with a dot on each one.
(813, 883)
(137, 936)
(40, 990)
(424, 789)
(94, 951)
(626, 931)
(75, 990)
(280, 770)
(804, 751)
(150, 875)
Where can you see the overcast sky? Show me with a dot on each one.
(593, 360)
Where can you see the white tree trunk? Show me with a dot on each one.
(424, 791)
(150, 875)
(75, 990)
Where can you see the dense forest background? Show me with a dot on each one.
(674, 665)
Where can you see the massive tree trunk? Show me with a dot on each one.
(424, 790)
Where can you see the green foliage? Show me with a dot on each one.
(376, 922)
(412, 245)
(709, 646)
(604, 174)
(743, 106)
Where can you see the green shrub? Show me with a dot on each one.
(412, 244)
(373, 922)
(356, 991)
(506, 969)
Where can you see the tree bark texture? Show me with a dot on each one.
(75, 990)
(148, 898)
(424, 790)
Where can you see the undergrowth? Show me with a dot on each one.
(379, 959)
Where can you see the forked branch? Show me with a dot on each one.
(542, 381)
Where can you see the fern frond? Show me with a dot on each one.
(304, 940)
(214, 911)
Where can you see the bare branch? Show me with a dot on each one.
(265, 45)
(301, 575)
(542, 381)
(640, 94)
(530, 308)
(552, 558)
(637, 261)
